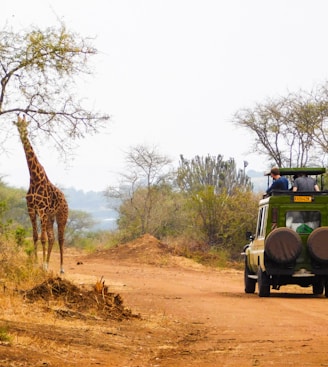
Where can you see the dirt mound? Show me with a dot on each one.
(146, 249)
(79, 302)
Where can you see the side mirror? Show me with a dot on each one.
(249, 236)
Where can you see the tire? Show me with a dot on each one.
(283, 245)
(263, 281)
(250, 284)
(326, 288)
(317, 288)
(318, 244)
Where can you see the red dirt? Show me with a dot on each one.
(190, 315)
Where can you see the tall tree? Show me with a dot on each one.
(290, 131)
(38, 69)
(79, 222)
(142, 186)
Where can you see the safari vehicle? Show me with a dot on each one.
(290, 245)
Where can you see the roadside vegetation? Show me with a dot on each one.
(204, 206)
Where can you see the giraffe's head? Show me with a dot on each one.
(22, 124)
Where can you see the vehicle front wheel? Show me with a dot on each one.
(250, 283)
(263, 281)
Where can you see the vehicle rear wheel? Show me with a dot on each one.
(317, 288)
(263, 281)
(283, 245)
(326, 288)
(318, 245)
(250, 283)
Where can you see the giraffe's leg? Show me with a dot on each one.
(61, 223)
(44, 221)
(51, 238)
(32, 215)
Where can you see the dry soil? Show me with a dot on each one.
(159, 310)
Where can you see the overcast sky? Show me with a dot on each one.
(172, 74)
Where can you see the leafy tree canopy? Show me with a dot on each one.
(38, 71)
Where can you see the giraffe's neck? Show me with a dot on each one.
(37, 172)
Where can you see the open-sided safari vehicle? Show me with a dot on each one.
(290, 245)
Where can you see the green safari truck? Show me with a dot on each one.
(290, 245)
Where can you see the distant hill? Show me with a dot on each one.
(94, 202)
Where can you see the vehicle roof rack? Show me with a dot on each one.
(300, 170)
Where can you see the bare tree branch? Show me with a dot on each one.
(289, 131)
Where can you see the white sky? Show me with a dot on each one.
(172, 73)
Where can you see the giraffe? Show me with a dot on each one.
(44, 200)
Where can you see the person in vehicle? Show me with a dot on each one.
(305, 183)
(279, 182)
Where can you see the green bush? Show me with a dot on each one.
(4, 335)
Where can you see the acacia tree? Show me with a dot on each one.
(290, 131)
(142, 189)
(38, 69)
(78, 224)
(320, 105)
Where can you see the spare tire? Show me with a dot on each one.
(318, 244)
(283, 245)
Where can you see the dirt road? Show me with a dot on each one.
(190, 316)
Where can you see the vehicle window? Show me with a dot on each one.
(261, 222)
(303, 221)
